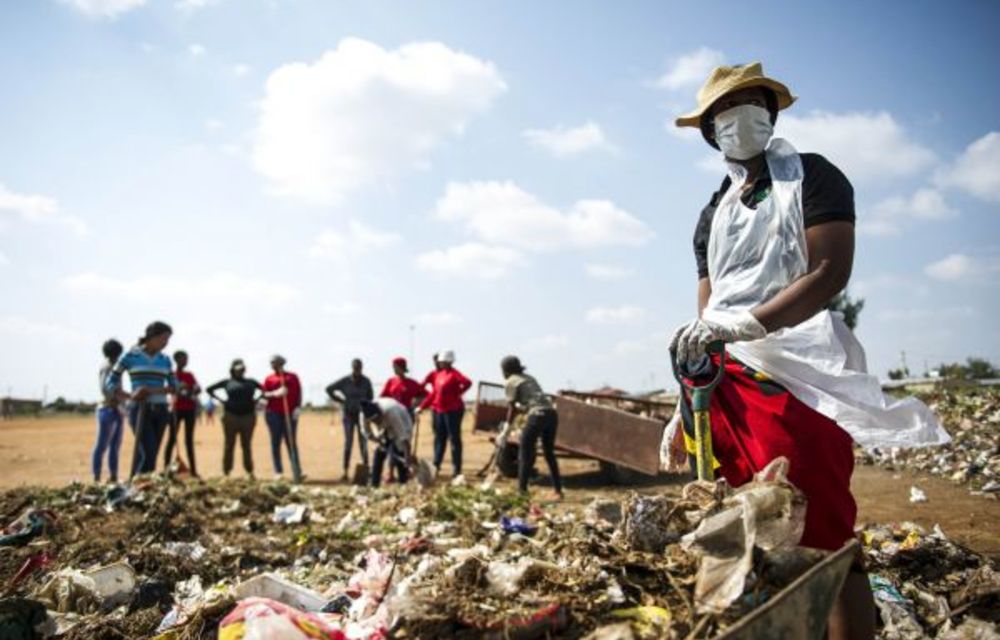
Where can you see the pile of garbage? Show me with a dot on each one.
(176, 560)
(972, 418)
(926, 586)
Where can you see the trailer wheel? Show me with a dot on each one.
(507, 461)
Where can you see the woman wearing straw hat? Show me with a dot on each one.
(773, 246)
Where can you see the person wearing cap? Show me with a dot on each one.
(185, 411)
(773, 247)
(401, 387)
(152, 380)
(445, 400)
(525, 395)
(349, 391)
(392, 433)
(240, 414)
(284, 400)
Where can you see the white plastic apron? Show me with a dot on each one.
(755, 253)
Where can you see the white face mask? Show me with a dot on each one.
(742, 132)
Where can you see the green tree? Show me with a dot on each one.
(973, 369)
(850, 307)
(899, 374)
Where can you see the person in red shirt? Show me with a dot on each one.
(445, 399)
(401, 388)
(284, 400)
(185, 410)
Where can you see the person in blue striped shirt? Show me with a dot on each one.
(152, 379)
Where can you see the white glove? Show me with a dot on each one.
(280, 392)
(729, 325)
(296, 412)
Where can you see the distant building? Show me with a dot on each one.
(11, 407)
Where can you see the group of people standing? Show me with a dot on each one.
(164, 398)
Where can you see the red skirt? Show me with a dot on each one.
(755, 420)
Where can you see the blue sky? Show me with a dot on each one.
(316, 177)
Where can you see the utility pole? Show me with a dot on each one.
(413, 329)
(902, 357)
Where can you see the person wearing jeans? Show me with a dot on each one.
(152, 379)
(525, 395)
(395, 428)
(284, 397)
(109, 418)
(445, 399)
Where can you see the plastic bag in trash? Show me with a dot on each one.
(650, 523)
(507, 578)
(517, 525)
(264, 619)
(289, 513)
(73, 591)
(28, 526)
(767, 512)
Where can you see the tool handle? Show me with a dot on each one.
(713, 347)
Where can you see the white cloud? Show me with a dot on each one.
(241, 70)
(196, 50)
(437, 319)
(615, 315)
(562, 142)
(104, 8)
(867, 146)
(219, 286)
(471, 260)
(361, 114)
(341, 308)
(977, 170)
(691, 69)
(4, 260)
(608, 272)
(892, 215)
(213, 124)
(503, 213)
(357, 240)
(36, 209)
(685, 134)
(960, 267)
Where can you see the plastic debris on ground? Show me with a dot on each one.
(207, 560)
(972, 418)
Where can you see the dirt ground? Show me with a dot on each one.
(55, 451)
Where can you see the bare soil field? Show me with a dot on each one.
(56, 450)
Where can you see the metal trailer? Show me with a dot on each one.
(621, 433)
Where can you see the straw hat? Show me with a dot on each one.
(726, 79)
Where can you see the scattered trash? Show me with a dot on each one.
(517, 525)
(31, 524)
(972, 418)
(290, 514)
(34, 563)
(917, 495)
(190, 550)
(647, 621)
(264, 619)
(422, 564)
(275, 588)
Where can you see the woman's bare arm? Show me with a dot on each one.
(830, 248)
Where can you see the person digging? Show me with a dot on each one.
(525, 395)
(773, 247)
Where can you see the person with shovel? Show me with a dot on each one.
(185, 411)
(152, 379)
(348, 392)
(525, 395)
(392, 437)
(774, 245)
(284, 399)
